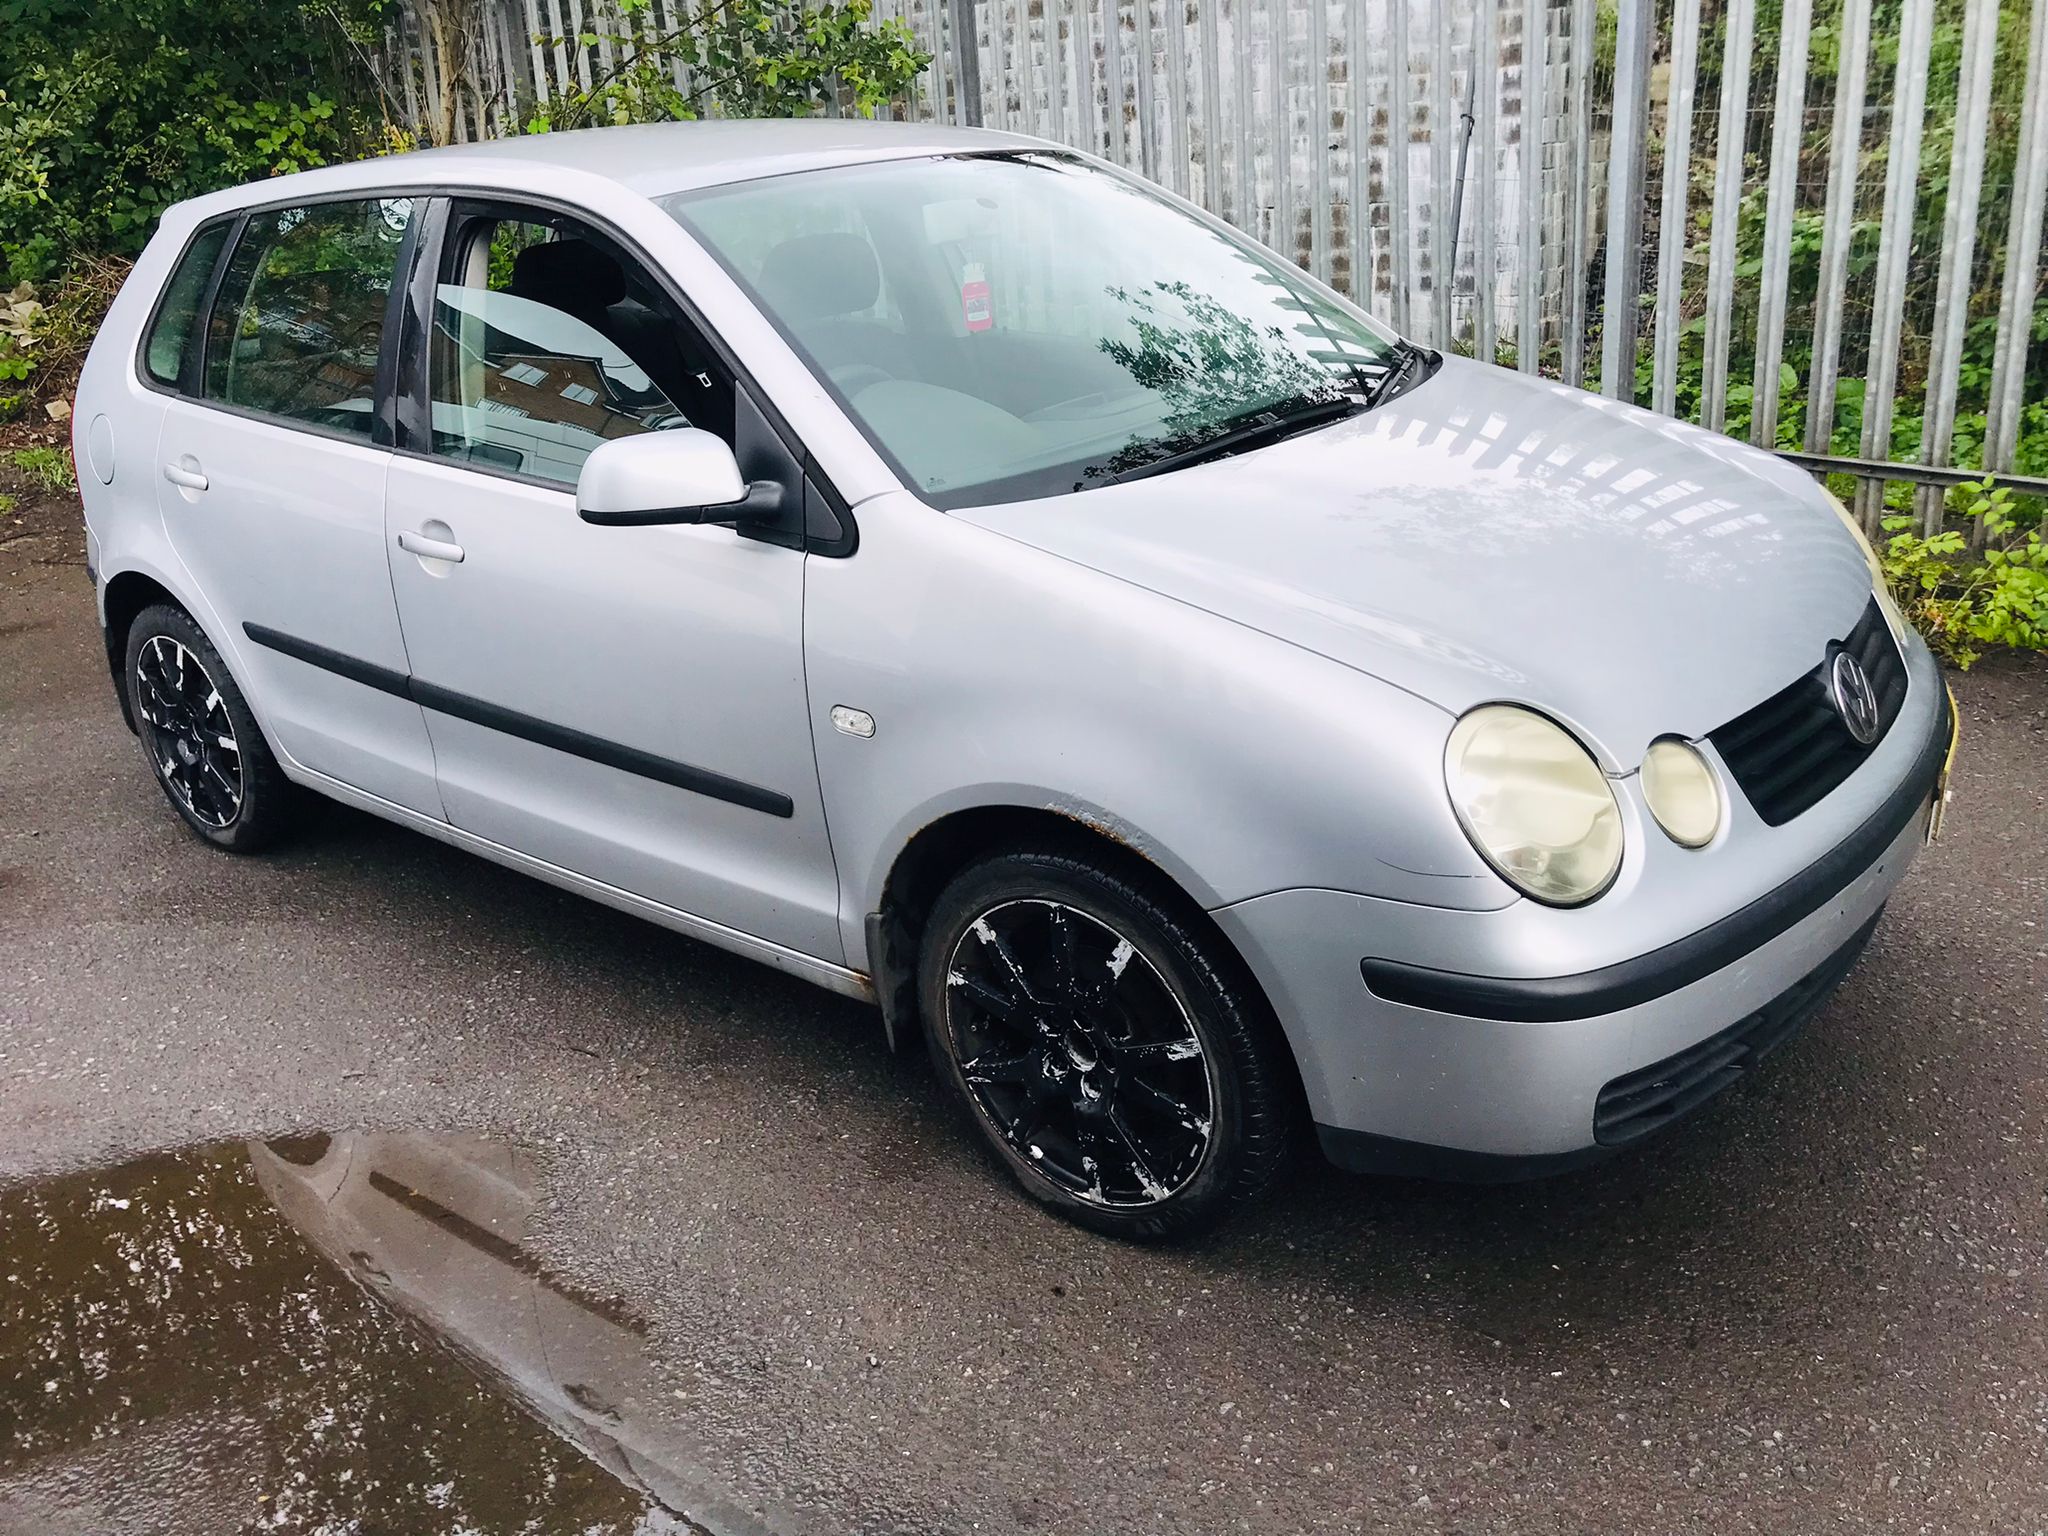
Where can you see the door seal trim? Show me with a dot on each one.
(545, 733)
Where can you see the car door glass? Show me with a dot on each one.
(171, 331)
(300, 317)
(546, 352)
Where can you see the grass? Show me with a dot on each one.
(49, 468)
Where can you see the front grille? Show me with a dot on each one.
(1633, 1106)
(1791, 751)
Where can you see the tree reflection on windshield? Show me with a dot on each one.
(1212, 369)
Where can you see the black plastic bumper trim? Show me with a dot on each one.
(1627, 983)
(1392, 1157)
(560, 738)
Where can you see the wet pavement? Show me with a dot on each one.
(1820, 1306)
(303, 1337)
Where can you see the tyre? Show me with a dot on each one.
(202, 743)
(1103, 1043)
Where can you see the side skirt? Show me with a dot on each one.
(823, 973)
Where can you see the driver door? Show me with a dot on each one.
(624, 703)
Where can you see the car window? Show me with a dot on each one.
(169, 335)
(548, 342)
(300, 316)
(1020, 325)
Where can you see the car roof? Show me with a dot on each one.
(652, 159)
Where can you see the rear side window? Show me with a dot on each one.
(296, 328)
(171, 334)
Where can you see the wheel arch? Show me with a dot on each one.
(123, 598)
(948, 844)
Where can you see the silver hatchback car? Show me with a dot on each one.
(947, 568)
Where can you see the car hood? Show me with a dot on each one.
(1491, 536)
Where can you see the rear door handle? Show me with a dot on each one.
(429, 549)
(190, 479)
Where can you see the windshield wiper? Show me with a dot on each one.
(1261, 427)
(1404, 372)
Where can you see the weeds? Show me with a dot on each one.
(1963, 600)
(49, 468)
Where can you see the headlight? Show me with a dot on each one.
(1682, 792)
(1534, 803)
(1892, 616)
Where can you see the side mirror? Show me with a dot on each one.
(683, 475)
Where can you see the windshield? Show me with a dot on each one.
(1021, 325)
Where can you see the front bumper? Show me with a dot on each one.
(1433, 1068)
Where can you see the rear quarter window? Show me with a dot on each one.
(170, 333)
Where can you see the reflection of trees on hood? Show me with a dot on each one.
(1208, 364)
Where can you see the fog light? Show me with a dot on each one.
(1682, 792)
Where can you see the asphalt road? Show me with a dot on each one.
(1818, 1307)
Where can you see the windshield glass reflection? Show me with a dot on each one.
(1019, 325)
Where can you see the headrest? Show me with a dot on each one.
(815, 277)
(571, 275)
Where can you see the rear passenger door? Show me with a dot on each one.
(271, 477)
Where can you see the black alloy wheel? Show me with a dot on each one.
(1087, 1064)
(192, 741)
(1102, 1045)
(202, 742)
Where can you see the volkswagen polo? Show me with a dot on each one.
(943, 566)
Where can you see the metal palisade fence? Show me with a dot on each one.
(1816, 224)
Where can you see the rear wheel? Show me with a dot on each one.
(202, 743)
(1102, 1045)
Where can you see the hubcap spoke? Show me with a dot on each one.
(989, 1067)
(989, 999)
(1145, 1052)
(995, 943)
(1141, 1167)
(1158, 1101)
(1065, 963)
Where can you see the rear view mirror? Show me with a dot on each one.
(684, 475)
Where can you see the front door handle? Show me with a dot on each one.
(189, 479)
(430, 549)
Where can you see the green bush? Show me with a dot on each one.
(1963, 599)
(15, 367)
(109, 114)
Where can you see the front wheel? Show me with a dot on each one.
(1102, 1044)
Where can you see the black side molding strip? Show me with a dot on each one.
(595, 749)
(368, 673)
(1548, 999)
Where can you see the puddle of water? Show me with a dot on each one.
(324, 1334)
